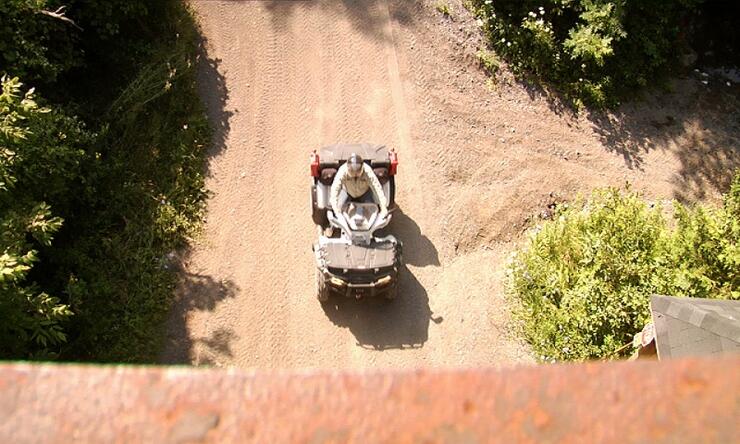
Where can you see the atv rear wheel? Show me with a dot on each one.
(322, 290)
(317, 214)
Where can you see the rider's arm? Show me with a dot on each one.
(377, 188)
(336, 189)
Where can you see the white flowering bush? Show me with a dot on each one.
(595, 51)
(584, 280)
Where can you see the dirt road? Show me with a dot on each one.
(282, 77)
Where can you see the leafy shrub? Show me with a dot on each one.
(488, 61)
(585, 279)
(442, 7)
(37, 163)
(704, 253)
(39, 47)
(115, 200)
(34, 46)
(151, 199)
(595, 51)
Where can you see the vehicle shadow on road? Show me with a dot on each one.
(418, 249)
(404, 322)
(196, 292)
(380, 324)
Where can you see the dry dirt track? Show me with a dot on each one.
(282, 77)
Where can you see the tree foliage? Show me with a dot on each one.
(101, 173)
(595, 51)
(30, 162)
(34, 46)
(585, 279)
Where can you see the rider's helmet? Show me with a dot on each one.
(354, 165)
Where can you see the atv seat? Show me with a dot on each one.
(327, 175)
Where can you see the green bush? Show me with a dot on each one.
(594, 51)
(44, 45)
(151, 196)
(38, 161)
(442, 7)
(585, 278)
(34, 46)
(110, 167)
(488, 61)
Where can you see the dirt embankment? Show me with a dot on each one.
(477, 165)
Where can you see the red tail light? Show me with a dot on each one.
(394, 163)
(314, 164)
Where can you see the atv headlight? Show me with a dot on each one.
(385, 280)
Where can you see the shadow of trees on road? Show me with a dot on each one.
(404, 322)
(196, 292)
(214, 93)
(368, 16)
(699, 126)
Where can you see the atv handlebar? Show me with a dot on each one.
(354, 235)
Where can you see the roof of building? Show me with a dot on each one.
(692, 326)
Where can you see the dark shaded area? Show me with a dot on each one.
(556, 101)
(214, 94)
(418, 250)
(219, 342)
(196, 292)
(681, 104)
(368, 16)
(715, 33)
(381, 324)
(698, 123)
(200, 292)
(698, 118)
(403, 322)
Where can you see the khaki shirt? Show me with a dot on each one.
(357, 186)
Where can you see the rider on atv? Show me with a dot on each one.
(359, 183)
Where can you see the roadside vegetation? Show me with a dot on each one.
(594, 52)
(583, 281)
(102, 144)
(442, 7)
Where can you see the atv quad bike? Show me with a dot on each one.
(350, 260)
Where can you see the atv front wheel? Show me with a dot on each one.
(322, 290)
(392, 293)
